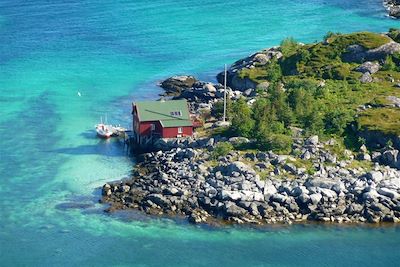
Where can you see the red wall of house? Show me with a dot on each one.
(145, 127)
(172, 132)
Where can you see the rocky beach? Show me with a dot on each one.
(185, 181)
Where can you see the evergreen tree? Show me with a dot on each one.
(242, 121)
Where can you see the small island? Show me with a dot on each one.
(313, 135)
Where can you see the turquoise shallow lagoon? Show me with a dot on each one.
(113, 52)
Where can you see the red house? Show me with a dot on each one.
(160, 119)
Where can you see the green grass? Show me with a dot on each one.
(385, 120)
(257, 75)
(365, 165)
(368, 40)
(324, 60)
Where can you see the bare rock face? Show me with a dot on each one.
(366, 78)
(357, 53)
(383, 51)
(393, 7)
(260, 58)
(371, 67)
(177, 84)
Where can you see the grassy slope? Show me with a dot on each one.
(324, 61)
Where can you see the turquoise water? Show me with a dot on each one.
(112, 53)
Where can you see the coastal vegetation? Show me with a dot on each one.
(320, 89)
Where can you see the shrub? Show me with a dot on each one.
(389, 64)
(276, 142)
(389, 144)
(340, 72)
(242, 121)
(221, 150)
(218, 109)
(289, 46)
(336, 120)
(394, 34)
(330, 34)
(273, 71)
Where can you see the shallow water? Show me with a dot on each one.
(115, 52)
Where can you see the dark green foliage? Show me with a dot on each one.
(279, 104)
(337, 120)
(242, 121)
(341, 72)
(218, 109)
(389, 64)
(274, 72)
(394, 34)
(396, 58)
(271, 72)
(289, 46)
(276, 142)
(221, 150)
(324, 60)
(312, 88)
(330, 35)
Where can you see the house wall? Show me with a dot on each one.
(172, 132)
(145, 127)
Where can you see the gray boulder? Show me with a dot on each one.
(159, 200)
(375, 176)
(230, 195)
(176, 84)
(239, 167)
(366, 78)
(298, 190)
(263, 86)
(238, 140)
(231, 209)
(391, 157)
(383, 51)
(389, 193)
(368, 66)
(315, 198)
(328, 193)
(261, 59)
(269, 190)
(312, 140)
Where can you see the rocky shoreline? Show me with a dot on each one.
(393, 7)
(317, 181)
(188, 182)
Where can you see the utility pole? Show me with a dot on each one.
(224, 117)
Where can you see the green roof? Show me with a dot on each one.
(170, 113)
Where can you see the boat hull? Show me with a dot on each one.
(104, 131)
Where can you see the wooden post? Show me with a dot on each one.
(224, 117)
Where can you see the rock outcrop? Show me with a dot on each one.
(258, 59)
(393, 7)
(357, 53)
(182, 182)
(176, 84)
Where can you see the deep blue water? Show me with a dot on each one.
(114, 52)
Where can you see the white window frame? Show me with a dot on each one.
(180, 130)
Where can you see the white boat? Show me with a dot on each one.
(104, 130)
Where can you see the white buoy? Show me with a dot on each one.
(79, 93)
